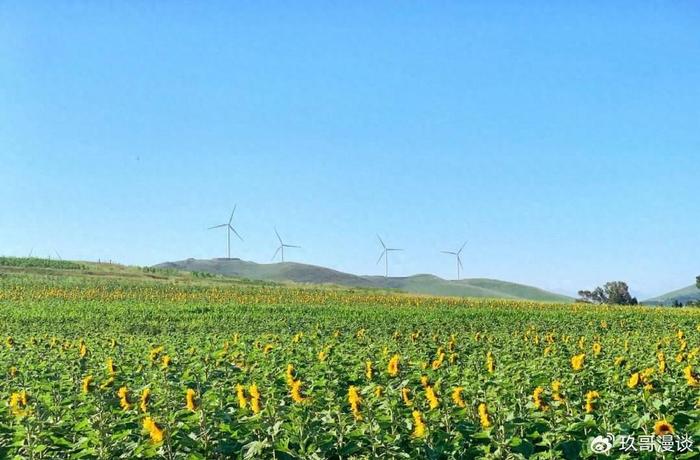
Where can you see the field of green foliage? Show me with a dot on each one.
(112, 368)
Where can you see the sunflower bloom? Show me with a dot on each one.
(537, 399)
(254, 398)
(368, 370)
(165, 362)
(694, 353)
(431, 397)
(597, 348)
(145, 398)
(418, 424)
(111, 369)
(378, 391)
(240, 394)
(18, 404)
(484, 418)
(690, 376)
(457, 397)
(289, 374)
(591, 398)
(662, 428)
(393, 366)
(662, 362)
(154, 352)
(424, 381)
(83, 350)
(406, 396)
(123, 398)
(556, 391)
(439, 360)
(490, 363)
(87, 383)
(577, 362)
(297, 397)
(190, 396)
(154, 431)
(354, 399)
(633, 380)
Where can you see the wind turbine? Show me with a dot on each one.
(385, 255)
(457, 255)
(229, 229)
(281, 247)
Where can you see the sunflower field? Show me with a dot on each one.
(100, 369)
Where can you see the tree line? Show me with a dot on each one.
(617, 293)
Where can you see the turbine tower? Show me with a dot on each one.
(457, 254)
(385, 255)
(281, 247)
(229, 229)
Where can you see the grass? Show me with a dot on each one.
(36, 262)
(417, 284)
(685, 295)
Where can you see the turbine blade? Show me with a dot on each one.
(276, 252)
(381, 256)
(290, 246)
(394, 249)
(382, 242)
(217, 226)
(459, 261)
(449, 252)
(278, 236)
(234, 231)
(460, 249)
(234, 210)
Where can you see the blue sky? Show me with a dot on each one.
(561, 140)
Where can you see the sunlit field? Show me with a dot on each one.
(131, 369)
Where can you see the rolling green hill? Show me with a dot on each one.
(685, 295)
(418, 284)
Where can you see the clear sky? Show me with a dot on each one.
(562, 141)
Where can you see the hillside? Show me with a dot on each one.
(417, 284)
(685, 295)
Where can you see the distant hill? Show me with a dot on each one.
(418, 284)
(685, 295)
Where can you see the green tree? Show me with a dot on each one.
(612, 293)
